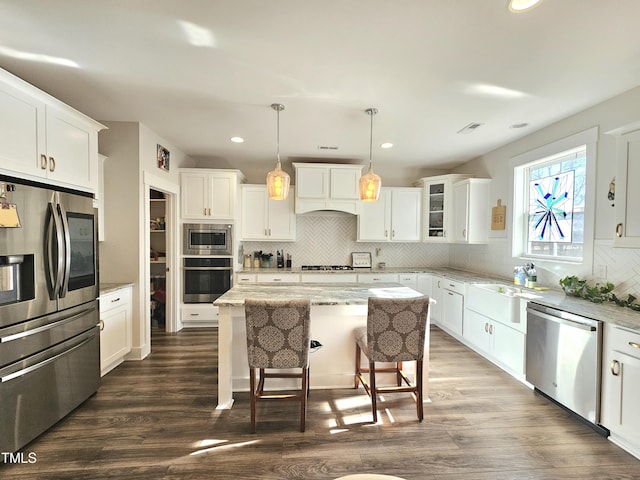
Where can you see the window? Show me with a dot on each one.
(555, 217)
(553, 201)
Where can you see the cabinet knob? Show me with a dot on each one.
(615, 368)
(619, 230)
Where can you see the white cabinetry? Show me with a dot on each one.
(194, 315)
(438, 207)
(471, 216)
(394, 217)
(209, 194)
(115, 328)
(621, 387)
(321, 186)
(627, 199)
(377, 278)
(43, 139)
(451, 318)
(264, 219)
(329, 278)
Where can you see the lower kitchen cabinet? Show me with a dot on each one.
(452, 311)
(195, 315)
(503, 345)
(377, 278)
(621, 387)
(329, 278)
(115, 328)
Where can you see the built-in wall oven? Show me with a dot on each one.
(205, 278)
(207, 239)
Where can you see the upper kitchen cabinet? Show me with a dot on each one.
(43, 139)
(322, 186)
(209, 194)
(627, 194)
(264, 219)
(438, 207)
(471, 210)
(395, 217)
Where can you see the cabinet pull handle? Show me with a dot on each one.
(386, 233)
(375, 279)
(634, 344)
(194, 314)
(452, 285)
(486, 327)
(204, 212)
(615, 368)
(269, 232)
(265, 233)
(490, 329)
(619, 230)
(115, 300)
(450, 293)
(43, 162)
(277, 279)
(464, 233)
(52, 164)
(393, 233)
(101, 325)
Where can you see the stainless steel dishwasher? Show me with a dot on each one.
(564, 352)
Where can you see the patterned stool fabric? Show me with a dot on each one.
(395, 332)
(278, 337)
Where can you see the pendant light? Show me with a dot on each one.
(370, 183)
(278, 180)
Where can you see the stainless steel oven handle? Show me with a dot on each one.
(44, 328)
(209, 268)
(571, 323)
(44, 363)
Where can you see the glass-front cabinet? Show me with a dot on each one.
(437, 208)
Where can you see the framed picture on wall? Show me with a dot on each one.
(163, 158)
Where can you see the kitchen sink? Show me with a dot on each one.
(497, 301)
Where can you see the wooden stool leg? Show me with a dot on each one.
(303, 398)
(357, 379)
(252, 388)
(398, 376)
(420, 405)
(374, 395)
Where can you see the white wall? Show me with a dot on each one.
(131, 151)
(619, 266)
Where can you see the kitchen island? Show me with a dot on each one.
(335, 311)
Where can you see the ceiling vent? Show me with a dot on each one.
(470, 128)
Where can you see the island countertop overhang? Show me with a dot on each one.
(318, 293)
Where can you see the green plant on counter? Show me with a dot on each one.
(573, 286)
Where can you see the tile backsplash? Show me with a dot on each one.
(328, 238)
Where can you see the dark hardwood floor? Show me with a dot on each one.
(155, 419)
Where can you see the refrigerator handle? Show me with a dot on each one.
(54, 270)
(64, 281)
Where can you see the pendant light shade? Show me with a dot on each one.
(370, 183)
(278, 180)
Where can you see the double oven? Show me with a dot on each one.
(207, 262)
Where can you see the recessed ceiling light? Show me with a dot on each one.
(237, 139)
(519, 125)
(386, 145)
(518, 6)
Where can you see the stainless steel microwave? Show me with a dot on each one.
(207, 239)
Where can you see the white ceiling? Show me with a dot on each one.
(197, 72)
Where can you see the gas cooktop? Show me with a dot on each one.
(326, 267)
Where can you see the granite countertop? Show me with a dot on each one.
(318, 293)
(106, 288)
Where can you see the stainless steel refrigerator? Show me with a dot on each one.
(49, 318)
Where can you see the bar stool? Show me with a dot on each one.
(395, 332)
(278, 337)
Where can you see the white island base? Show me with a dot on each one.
(331, 366)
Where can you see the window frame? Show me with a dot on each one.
(518, 165)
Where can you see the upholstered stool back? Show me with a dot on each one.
(278, 333)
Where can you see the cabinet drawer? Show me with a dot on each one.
(199, 313)
(115, 299)
(377, 277)
(329, 277)
(281, 278)
(625, 341)
(245, 278)
(408, 279)
(453, 285)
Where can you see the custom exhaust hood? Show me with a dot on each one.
(326, 186)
